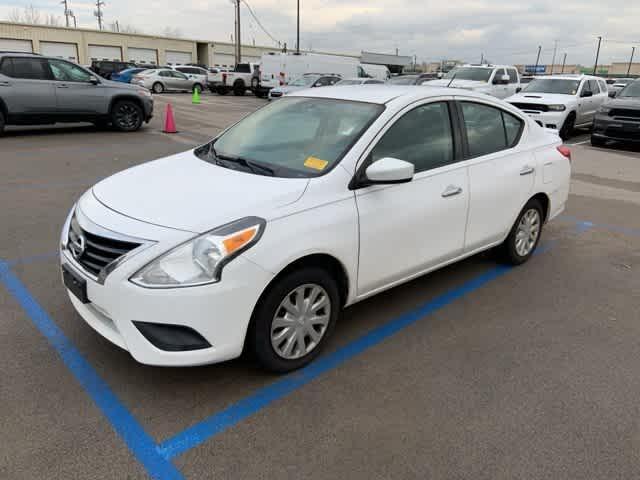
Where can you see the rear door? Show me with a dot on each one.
(26, 86)
(501, 177)
(181, 81)
(75, 93)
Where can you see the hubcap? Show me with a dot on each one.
(300, 321)
(527, 232)
(127, 116)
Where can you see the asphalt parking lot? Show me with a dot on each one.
(477, 371)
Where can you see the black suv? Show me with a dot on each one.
(105, 68)
(37, 90)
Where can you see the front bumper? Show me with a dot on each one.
(608, 128)
(219, 312)
(553, 120)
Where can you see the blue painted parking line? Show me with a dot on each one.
(139, 442)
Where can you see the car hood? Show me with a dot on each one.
(541, 98)
(126, 86)
(625, 102)
(186, 193)
(443, 82)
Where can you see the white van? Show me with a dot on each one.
(379, 72)
(278, 69)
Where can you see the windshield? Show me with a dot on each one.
(631, 90)
(405, 80)
(470, 73)
(295, 136)
(552, 85)
(349, 82)
(305, 81)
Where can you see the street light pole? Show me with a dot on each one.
(66, 12)
(595, 67)
(633, 50)
(298, 31)
(564, 60)
(238, 41)
(535, 69)
(553, 62)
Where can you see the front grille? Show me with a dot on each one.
(531, 106)
(94, 252)
(624, 113)
(276, 94)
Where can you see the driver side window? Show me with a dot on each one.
(68, 72)
(422, 137)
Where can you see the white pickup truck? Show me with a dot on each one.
(499, 81)
(238, 81)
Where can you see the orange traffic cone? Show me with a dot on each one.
(169, 122)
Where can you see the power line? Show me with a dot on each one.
(255, 17)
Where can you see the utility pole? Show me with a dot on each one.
(535, 69)
(553, 62)
(98, 12)
(66, 12)
(564, 60)
(238, 37)
(595, 67)
(481, 58)
(633, 50)
(298, 31)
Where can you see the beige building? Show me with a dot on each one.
(621, 68)
(84, 45)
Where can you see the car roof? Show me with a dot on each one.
(383, 93)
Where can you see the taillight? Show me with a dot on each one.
(565, 151)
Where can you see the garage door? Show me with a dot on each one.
(224, 60)
(143, 55)
(15, 45)
(68, 51)
(104, 52)
(178, 58)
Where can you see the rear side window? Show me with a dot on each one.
(513, 75)
(603, 86)
(422, 137)
(164, 73)
(29, 68)
(489, 129)
(243, 68)
(6, 67)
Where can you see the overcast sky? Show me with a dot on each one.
(506, 32)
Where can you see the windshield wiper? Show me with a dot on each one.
(248, 164)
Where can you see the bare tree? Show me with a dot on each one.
(123, 27)
(15, 16)
(32, 15)
(52, 20)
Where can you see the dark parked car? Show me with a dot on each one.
(38, 90)
(125, 75)
(619, 118)
(105, 68)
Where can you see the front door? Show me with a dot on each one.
(75, 94)
(407, 228)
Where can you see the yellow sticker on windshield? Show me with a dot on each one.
(315, 163)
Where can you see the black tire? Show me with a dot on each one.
(2, 122)
(597, 141)
(259, 333)
(508, 250)
(126, 116)
(255, 85)
(239, 89)
(198, 87)
(222, 90)
(157, 88)
(567, 126)
(212, 90)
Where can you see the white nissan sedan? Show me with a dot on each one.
(260, 238)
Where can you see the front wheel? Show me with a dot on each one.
(2, 122)
(222, 90)
(293, 319)
(567, 127)
(127, 116)
(239, 89)
(524, 235)
(158, 88)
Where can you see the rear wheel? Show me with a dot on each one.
(2, 122)
(222, 90)
(524, 235)
(567, 126)
(158, 87)
(293, 319)
(239, 89)
(127, 116)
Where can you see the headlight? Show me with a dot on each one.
(557, 108)
(200, 260)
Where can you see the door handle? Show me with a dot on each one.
(5, 84)
(527, 170)
(451, 191)
(62, 86)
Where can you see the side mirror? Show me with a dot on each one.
(94, 81)
(612, 94)
(389, 170)
(439, 75)
(587, 93)
(518, 90)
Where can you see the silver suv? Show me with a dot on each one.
(36, 90)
